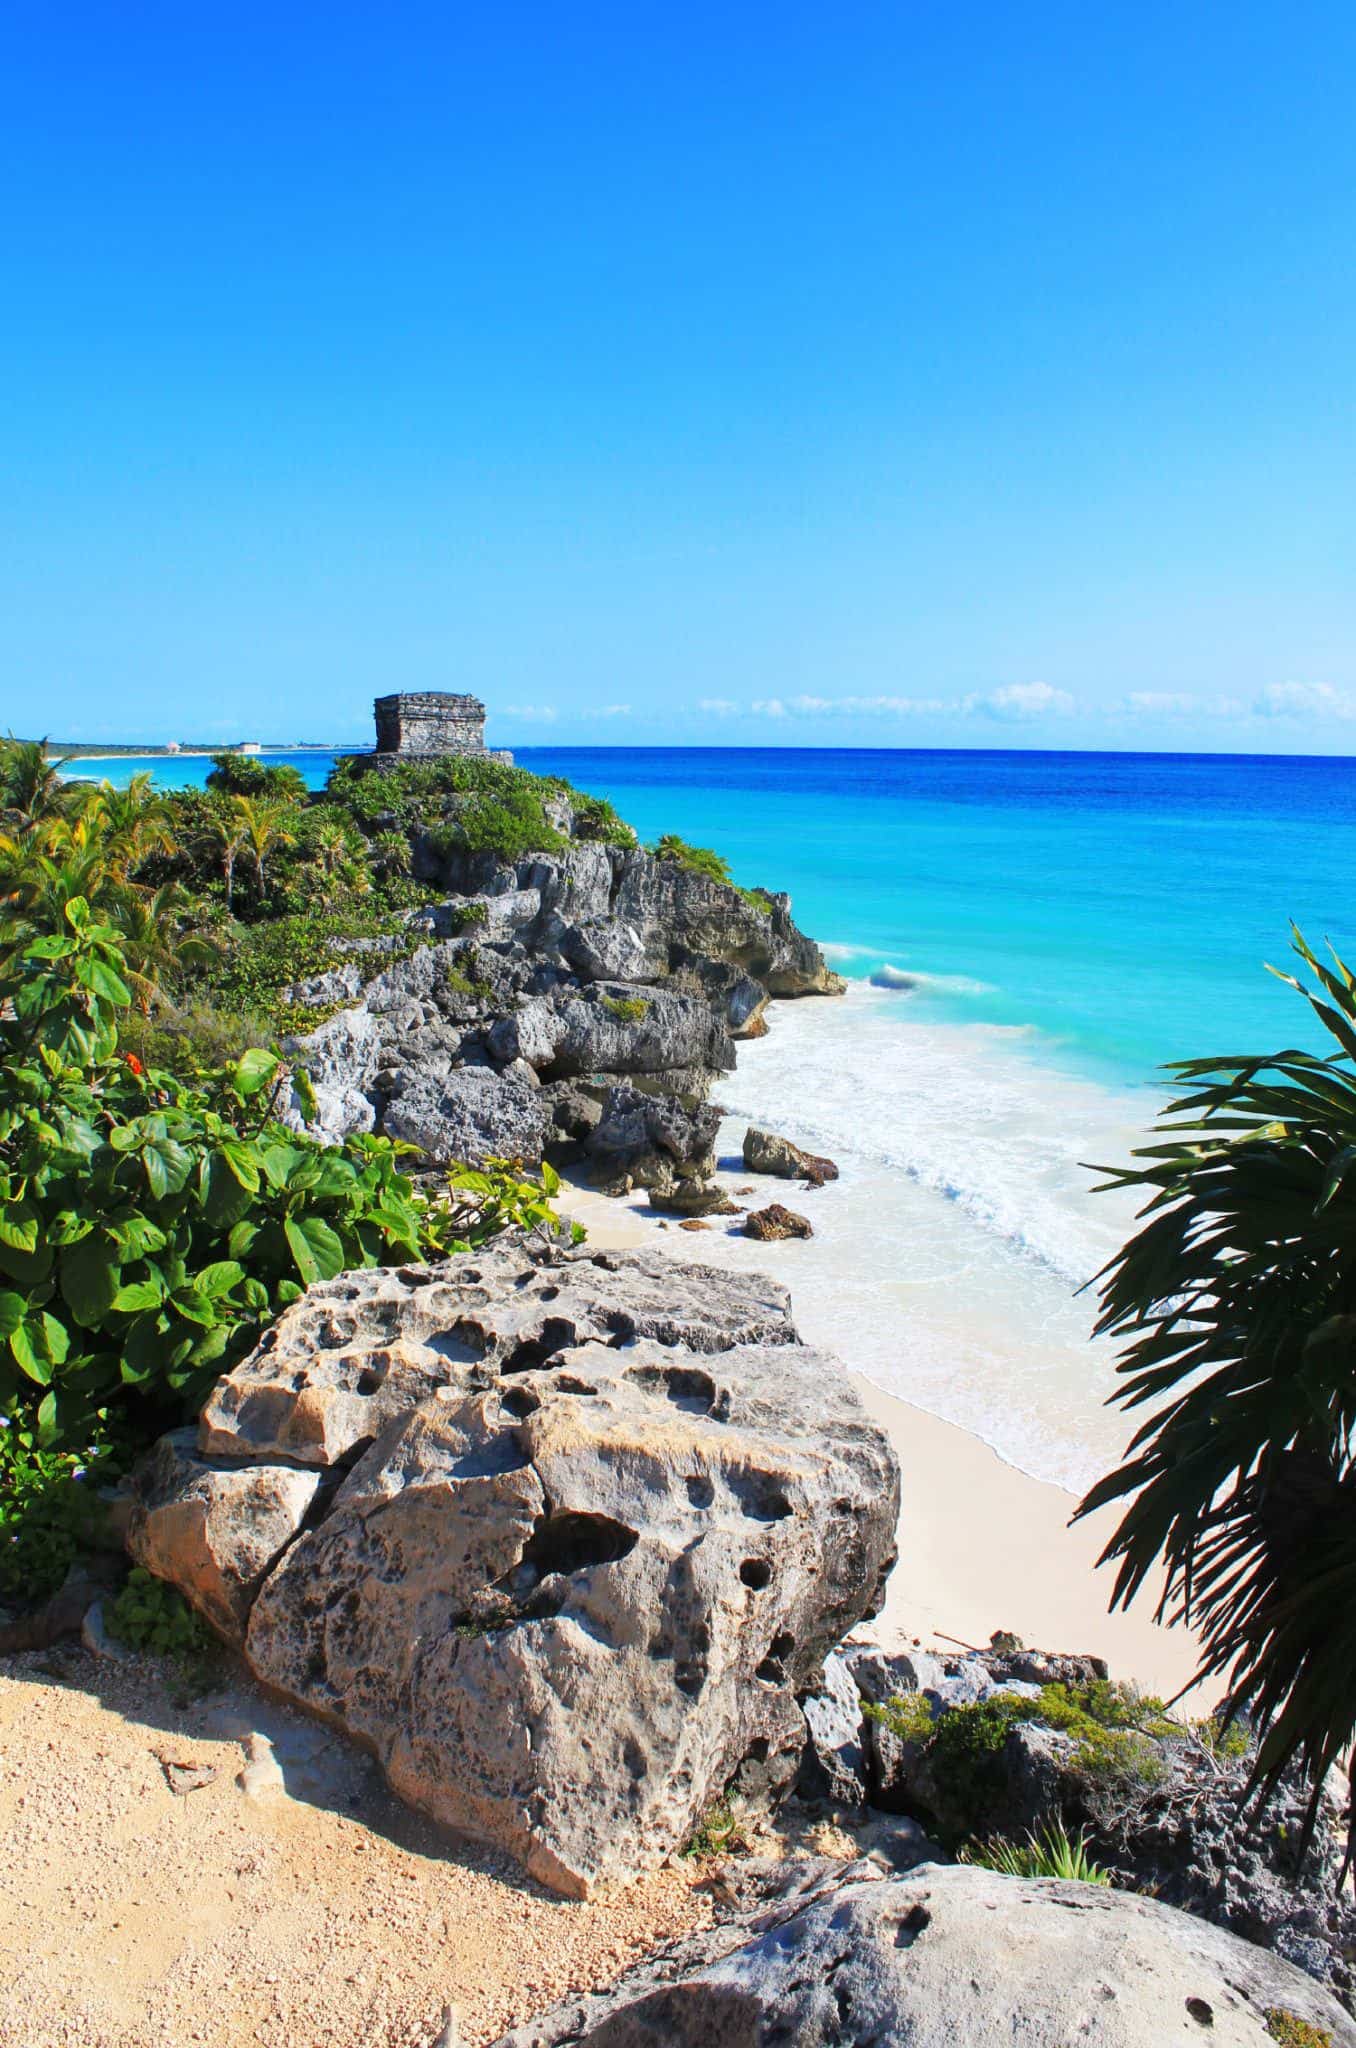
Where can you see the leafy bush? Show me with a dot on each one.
(246, 775)
(508, 824)
(50, 1509)
(699, 860)
(465, 917)
(150, 1615)
(151, 1227)
(1112, 1726)
(595, 819)
(1236, 1299)
(1050, 1851)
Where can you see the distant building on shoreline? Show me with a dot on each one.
(421, 725)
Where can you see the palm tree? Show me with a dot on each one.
(160, 946)
(266, 826)
(30, 784)
(135, 823)
(1238, 1295)
(227, 836)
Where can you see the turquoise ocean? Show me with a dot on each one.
(1027, 938)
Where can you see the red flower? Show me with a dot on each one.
(135, 1064)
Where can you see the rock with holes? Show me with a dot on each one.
(951, 1958)
(593, 1522)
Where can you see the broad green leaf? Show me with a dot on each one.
(137, 1295)
(19, 1228)
(253, 1071)
(29, 1357)
(219, 1278)
(89, 1278)
(13, 1308)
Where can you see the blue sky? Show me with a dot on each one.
(901, 375)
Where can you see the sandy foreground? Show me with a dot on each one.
(982, 1546)
(149, 1899)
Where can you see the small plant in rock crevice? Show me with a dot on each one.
(721, 1831)
(1048, 1851)
(153, 1617)
(626, 1009)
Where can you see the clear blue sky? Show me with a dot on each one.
(869, 375)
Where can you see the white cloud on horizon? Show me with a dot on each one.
(1303, 700)
(1016, 702)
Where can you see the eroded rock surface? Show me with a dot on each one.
(592, 1522)
(949, 1958)
(570, 974)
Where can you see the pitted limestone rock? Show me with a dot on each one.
(357, 1352)
(610, 1518)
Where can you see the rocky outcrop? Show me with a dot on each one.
(579, 1529)
(770, 1224)
(1162, 1804)
(764, 1152)
(949, 1958)
(542, 985)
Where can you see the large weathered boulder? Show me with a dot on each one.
(951, 1958)
(653, 1140)
(607, 1518)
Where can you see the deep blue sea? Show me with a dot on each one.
(1051, 928)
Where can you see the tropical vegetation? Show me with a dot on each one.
(1237, 1298)
(156, 1207)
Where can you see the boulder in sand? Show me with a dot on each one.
(607, 1518)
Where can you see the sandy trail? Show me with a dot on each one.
(325, 1915)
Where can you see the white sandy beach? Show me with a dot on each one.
(982, 1546)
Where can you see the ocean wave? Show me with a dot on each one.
(836, 950)
(946, 1259)
(906, 979)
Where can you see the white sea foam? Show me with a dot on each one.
(834, 951)
(945, 1260)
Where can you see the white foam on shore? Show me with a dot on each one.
(945, 1260)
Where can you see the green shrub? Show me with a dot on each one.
(50, 1509)
(192, 1039)
(466, 917)
(508, 824)
(246, 775)
(907, 1715)
(699, 860)
(595, 819)
(1293, 2032)
(149, 1615)
(760, 899)
(626, 1009)
(720, 1832)
(151, 1227)
(1050, 1851)
(1112, 1728)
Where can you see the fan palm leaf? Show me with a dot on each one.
(1237, 1301)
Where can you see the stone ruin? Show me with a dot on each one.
(422, 724)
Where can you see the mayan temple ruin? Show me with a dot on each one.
(418, 724)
